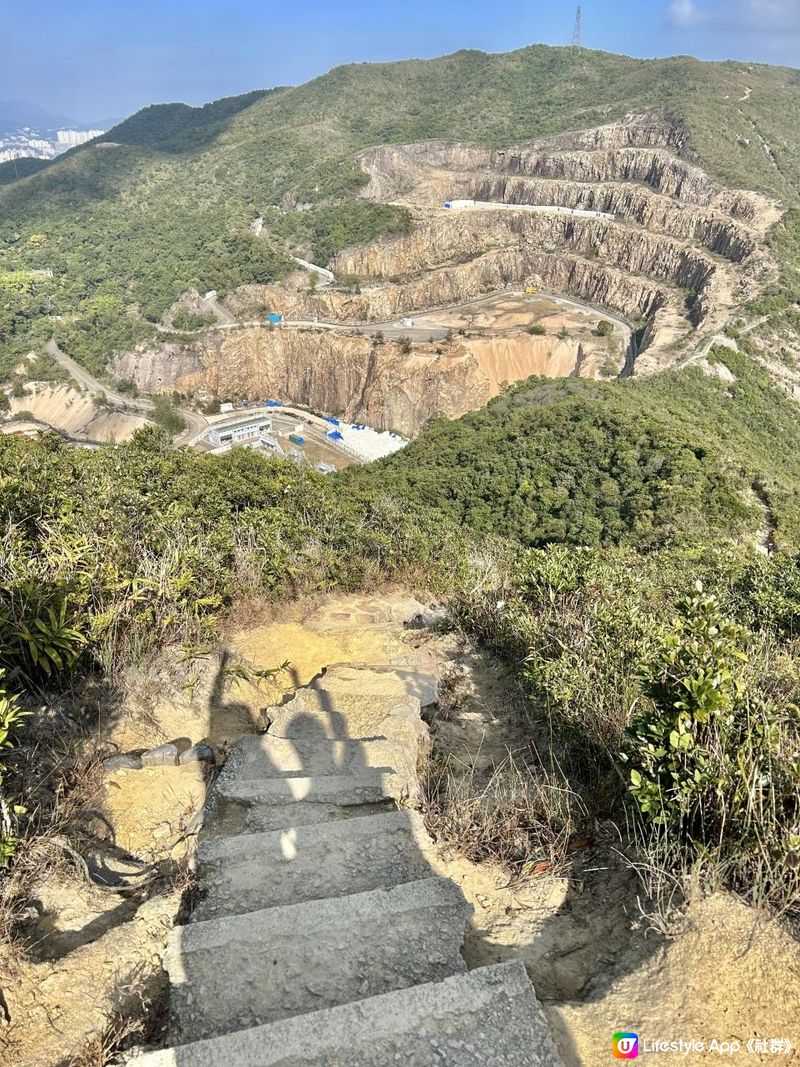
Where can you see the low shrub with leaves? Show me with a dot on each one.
(681, 707)
(714, 759)
(11, 714)
(107, 553)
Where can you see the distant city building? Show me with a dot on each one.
(73, 138)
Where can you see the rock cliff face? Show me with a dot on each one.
(371, 381)
(696, 246)
(679, 256)
(156, 367)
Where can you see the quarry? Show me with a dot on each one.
(596, 254)
(515, 258)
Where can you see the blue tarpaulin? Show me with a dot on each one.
(273, 404)
(335, 436)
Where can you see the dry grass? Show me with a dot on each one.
(142, 1023)
(59, 782)
(520, 815)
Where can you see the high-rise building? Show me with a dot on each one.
(72, 138)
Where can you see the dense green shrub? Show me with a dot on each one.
(183, 319)
(657, 693)
(11, 715)
(120, 549)
(714, 759)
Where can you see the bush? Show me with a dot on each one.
(166, 415)
(681, 707)
(106, 553)
(11, 714)
(714, 761)
(184, 319)
(537, 329)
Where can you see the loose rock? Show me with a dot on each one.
(122, 763)
(163, 756)
(200, 753)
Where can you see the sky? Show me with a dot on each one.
(95, 59)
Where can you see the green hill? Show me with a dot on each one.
(164, 201)
(669, 459)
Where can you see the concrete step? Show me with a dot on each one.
(410, 683)
(232, 817)
(253, 871)
(278, 770)
(245, 970)
(271, 755)
(489, 1016)
(368, 787)
(356, 702)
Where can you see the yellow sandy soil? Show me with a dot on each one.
(75, 413)
(518, 356)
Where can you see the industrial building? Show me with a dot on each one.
(248, 428)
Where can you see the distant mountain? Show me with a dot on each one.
(102, 124)
(166, 203)
(15, 113)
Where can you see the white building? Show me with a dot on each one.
(247, 429)
(72, 138)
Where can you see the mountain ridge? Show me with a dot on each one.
(163, 202)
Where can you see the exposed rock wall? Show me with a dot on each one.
(681, 253)
(707, 227)
(454, 283)
(697, 245)
(449, 238)
(157, 366)
(377, 383)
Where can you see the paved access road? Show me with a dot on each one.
(195, 423)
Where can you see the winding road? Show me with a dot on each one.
(195, 423)
(420, 330)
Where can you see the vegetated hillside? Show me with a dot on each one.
(14, 169)
(164, 201)
(667, 459)
(109, 554)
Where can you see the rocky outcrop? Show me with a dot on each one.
(452, 239)
(503, 268)
(615, 153)
(701, 244)
(156, 367)
(707, 227)
(367, 380)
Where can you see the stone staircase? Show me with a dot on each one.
(323, 936)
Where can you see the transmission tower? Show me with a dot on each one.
(576, 33)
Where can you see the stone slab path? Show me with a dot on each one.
(323, 934)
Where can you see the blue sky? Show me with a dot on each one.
(92, 59)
